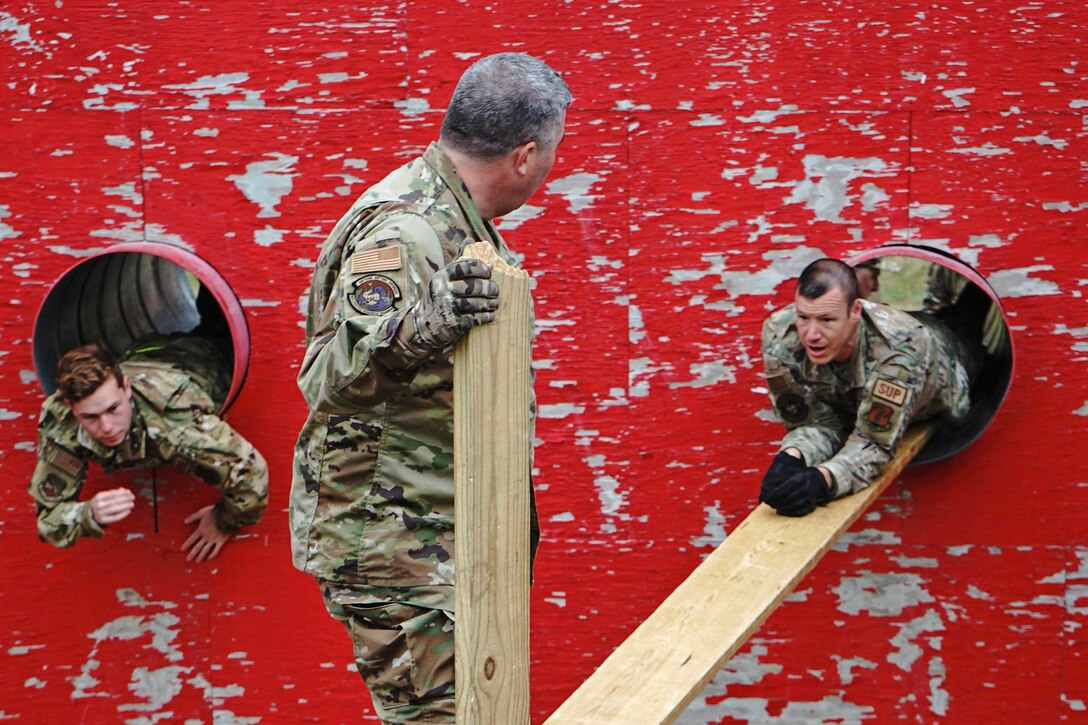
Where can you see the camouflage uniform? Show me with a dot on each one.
(848, 417)
(173, 421)
(372, 494)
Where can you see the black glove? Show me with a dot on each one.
(782, 467)
(799, 494)
(459, 296)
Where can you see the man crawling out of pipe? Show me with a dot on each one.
(846, 377)
(157, 405)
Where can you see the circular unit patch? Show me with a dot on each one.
(374, 294)
(792, 407)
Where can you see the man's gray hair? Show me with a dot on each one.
(503, 101)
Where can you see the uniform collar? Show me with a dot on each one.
(855, 366)
(437, 160)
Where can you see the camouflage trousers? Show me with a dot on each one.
(403, 649)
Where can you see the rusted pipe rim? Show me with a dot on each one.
(998, 372)
(126, 291)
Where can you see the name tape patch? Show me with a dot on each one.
(892, 392)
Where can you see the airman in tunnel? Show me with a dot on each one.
(846, 377)
(156, 405)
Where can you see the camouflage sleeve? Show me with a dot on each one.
(813, 426)
(943, 287)
(355, 359)
(885, 410)
(55, 486)
(207, 447)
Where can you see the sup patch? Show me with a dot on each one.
(889, 391)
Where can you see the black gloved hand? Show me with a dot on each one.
(799, 494)
(459, 296)
(782, 467)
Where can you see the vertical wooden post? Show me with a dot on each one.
(658, 670)
(491, 432)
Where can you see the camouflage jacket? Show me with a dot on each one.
(848, 417)
(372, 492)
(173, 421)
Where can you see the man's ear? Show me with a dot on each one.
(855, 310)
(126, 386)
(523, 155)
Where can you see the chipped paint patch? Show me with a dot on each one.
(575, 189)
(867, 537)
(6, 230)
(907, 652)
(713, 530)
(881, 595)
(524, 213)
(785, 264)
(268, 236)
(220, 84)
(1019, 282)
(119, 141)
(938, 696)
(826, 186)
(265, 183)
(956, 95)
(708, 373)
(411, 107)
(69, 252)
(1064, 207)
(18, 34)
(560, 410)
(847, 665)
(158, 687)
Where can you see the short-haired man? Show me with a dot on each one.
(157, 405)
(846, 378)
(372, 495)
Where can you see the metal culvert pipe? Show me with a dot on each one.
(990, 383)
(129, 291)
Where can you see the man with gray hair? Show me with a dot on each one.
(372, 494)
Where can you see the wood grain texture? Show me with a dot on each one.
(492, 429)
(670, 657)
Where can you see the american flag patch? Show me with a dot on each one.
(64, 460)
(376, 260)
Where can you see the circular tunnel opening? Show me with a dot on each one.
(130, 292)
(928, 281)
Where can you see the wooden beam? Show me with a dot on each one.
(491, 384)
(657, 671)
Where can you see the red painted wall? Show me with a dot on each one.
(712, 149)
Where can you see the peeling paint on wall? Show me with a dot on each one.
(706, 161)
